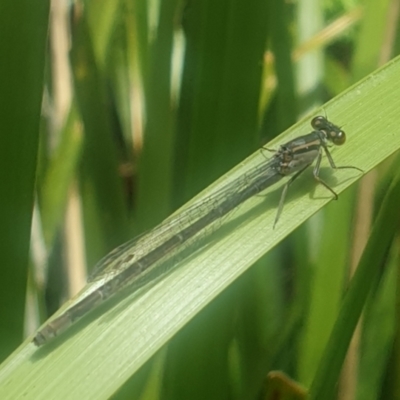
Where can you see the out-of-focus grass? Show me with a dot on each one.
(172, 131)
(23, 29)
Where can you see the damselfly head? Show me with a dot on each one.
(332, 132)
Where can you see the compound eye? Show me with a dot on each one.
(338, 137)
(319, 123)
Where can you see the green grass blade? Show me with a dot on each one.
(108, 349)
(368, 270)
(23, 32)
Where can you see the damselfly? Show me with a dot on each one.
(137, 261)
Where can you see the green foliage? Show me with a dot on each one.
(169, 96)
(22, 48)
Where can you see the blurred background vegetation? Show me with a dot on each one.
(145, 103)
